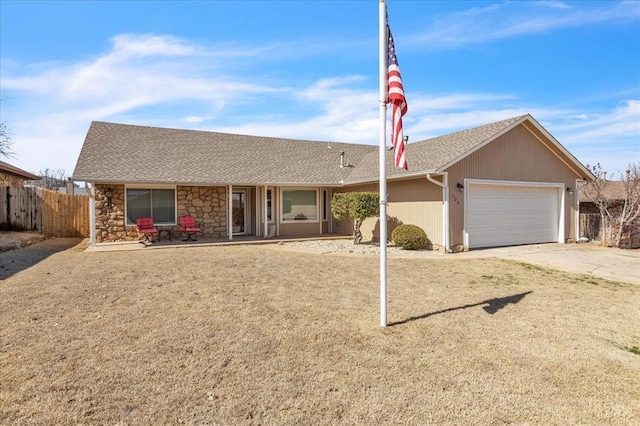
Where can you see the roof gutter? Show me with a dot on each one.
(397, 177)
(178, 183)
(445, 206)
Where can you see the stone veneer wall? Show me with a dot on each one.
(206, 203)
(7, 179)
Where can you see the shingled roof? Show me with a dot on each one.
(138, 154)
(435, 154)
(13, 170)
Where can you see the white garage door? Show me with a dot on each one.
(504, 215)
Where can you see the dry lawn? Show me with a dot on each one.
(262, 335)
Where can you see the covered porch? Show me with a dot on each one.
(221, 212)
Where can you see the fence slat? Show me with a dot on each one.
(4, 213)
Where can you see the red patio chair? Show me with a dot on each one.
(146, 228)
(188, 226)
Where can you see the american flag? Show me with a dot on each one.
(398, 104)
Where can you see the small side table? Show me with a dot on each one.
(168, 230)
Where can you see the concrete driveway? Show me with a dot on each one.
(610, 263)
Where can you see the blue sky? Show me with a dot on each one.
(309, 70)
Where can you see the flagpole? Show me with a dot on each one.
(382, 33)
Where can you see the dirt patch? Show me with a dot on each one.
(16, 240)
(256, 335)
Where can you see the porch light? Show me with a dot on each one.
(570, 190)
(108, 192)
(460, 186)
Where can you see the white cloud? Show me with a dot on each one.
(137, 71)
(611, 138)
(134, 45)
(552, 4)
(512, 19)
(595, 128)
(195, 119)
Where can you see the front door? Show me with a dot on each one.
(238, 213)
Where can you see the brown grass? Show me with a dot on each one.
(260, 335)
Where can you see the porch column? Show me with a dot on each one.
(266, 218)
(445, 207)
(92, 214)
(321, 209)
(330, 215)
(230, 212)
(275, 209)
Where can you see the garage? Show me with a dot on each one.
(512, 213)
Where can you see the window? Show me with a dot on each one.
(160, 204)
(299, 204)
(269, 203)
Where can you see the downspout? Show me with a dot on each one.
(92, 214)
(445, 207)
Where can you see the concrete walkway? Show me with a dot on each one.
(602, 262)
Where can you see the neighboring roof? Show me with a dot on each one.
(129, 154)
(25, 175)
(610, 189)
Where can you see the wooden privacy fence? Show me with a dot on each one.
(48, 212)
(590, 226)
(20, 209)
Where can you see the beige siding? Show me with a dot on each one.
(413, 201)
(515, 156)
(8, 179)
(300, 228)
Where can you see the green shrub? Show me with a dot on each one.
(410, 237)
(355, 206)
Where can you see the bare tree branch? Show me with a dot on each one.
(5, 141)
(50, 179)
(617, 200)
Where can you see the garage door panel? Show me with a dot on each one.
(500, 215)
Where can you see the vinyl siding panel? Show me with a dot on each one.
(518, 155)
